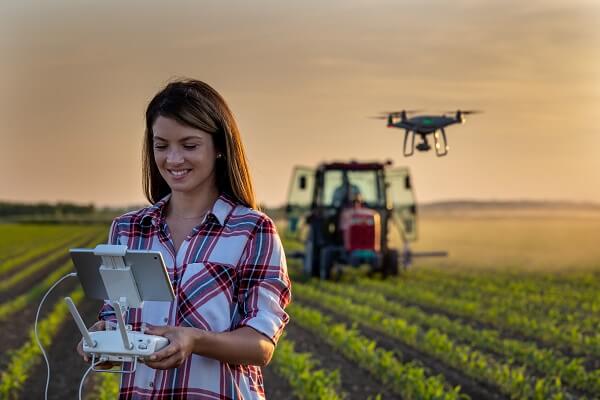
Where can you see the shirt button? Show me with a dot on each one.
(151, 384)
(166, 319)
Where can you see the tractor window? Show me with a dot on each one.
(301, 190)
(340, 187)
(403, 202)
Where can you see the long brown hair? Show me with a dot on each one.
(195, 104)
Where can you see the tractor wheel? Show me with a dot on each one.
(390, 263)
(328, 255)
(312, 256)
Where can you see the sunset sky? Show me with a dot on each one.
(302, 78)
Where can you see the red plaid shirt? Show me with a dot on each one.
(229, 272)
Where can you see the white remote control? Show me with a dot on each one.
(109, 344)
(121, 345)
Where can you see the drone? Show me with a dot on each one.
(424, 125)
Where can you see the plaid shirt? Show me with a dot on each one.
(228, 273)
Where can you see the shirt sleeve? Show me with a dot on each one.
(265, 288)
(107, 312)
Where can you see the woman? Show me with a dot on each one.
(224, 258)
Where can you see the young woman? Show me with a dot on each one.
(224, 258)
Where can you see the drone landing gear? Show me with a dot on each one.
(441, 143)
(408, 133)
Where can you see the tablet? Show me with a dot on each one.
(148, 268)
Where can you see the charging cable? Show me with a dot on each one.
(35, 329)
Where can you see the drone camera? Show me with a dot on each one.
(423, 146)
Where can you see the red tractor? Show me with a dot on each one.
(349, 212)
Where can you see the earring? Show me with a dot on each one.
(219, 155)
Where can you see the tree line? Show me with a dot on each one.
(46, 209)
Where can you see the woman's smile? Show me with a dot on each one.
(179, 174)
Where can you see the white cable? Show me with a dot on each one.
(84, 376)
(37, 339)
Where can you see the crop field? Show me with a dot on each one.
(513, 313)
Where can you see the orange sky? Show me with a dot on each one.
(302, 78)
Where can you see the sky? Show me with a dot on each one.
(302, 78)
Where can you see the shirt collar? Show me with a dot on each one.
(220, 210)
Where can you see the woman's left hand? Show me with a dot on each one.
(181, 346)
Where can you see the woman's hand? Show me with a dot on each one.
(181, 346)
(98, 326)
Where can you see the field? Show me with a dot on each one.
(512, 313)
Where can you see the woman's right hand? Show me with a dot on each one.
(98, 326)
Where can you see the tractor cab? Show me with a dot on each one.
(347, 211)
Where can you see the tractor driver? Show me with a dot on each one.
(346, 193)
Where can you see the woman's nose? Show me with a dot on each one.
(174, 157)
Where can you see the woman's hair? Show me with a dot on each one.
(195, 104)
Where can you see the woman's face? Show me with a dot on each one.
(185, 156)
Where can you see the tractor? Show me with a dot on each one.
(347, 212)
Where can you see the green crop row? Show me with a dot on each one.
(56, 244)
(512, 381)
(14, 238)
(40, 264)
(568, 338)
(548, 362)
(564, 292)
(20, 302)
(27, 356)
(546, 305)
(406, 379)
(106, 387)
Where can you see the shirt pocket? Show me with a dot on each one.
(205, 299)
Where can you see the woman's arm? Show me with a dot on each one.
(241, 346)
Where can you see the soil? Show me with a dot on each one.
(276, 387)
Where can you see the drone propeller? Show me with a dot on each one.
(464, 112)
(399, 113)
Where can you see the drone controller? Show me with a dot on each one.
(108, 345)
(126, 279)
(122, 345)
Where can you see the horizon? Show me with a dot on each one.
(516, 202)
